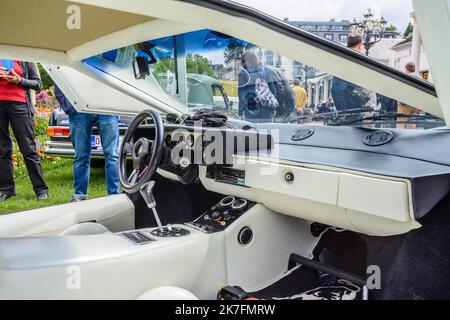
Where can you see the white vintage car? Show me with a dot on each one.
(299, 208)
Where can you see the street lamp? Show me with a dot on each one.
(371, 29)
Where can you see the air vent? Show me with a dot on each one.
(302, 134)
(378, 138)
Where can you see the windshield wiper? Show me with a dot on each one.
(405, 119)
(333, 115)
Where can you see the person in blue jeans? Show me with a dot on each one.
(81, 131)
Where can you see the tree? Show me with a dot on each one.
(198, 64)
(47, 82)
(408, 31)
(234, 46)
(163, 66)
(332, 20)
(391, 28)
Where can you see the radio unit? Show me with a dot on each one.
(226, 175)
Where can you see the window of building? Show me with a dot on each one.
(343, 37)
(322, 28)
(296, 69)
(269, 57)
(328, 36)
(260, 53)
(337, 28)
(279, 62)
(308, 28)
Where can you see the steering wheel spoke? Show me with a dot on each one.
(145, 154)
(127, 148)
(133, 176)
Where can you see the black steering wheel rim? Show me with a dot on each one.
(140, 151)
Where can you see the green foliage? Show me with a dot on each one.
(41, 120)
(408, 31)
(163, 66)
(60, 182)
(234, 46)
(392, 28)
(198, 64)
(46, 80)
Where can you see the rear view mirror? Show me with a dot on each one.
(141, 68)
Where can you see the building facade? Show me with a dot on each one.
(402, 54)
(333, 31)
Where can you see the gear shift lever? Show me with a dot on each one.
(147, 194)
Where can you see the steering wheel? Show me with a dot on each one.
(146, 154)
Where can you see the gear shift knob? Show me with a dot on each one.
(147, 193)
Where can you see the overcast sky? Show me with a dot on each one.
(395, 11)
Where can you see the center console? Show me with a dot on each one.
(216, 219)
(221, 215)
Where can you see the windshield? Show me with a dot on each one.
(208, 69)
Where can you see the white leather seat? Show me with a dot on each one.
(168, 293)
(85, 229)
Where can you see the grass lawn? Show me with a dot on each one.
(60, 182)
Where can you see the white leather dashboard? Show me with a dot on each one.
(374, 205)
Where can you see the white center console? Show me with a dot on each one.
(242, 237)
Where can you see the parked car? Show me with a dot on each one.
(60, 143)
(337, 209)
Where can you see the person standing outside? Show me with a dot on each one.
(347, 95)
(81, 125)
(17, 79)
(301, 97)
(254, 74)
(410, 68)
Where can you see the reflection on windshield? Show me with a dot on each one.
(208, 69)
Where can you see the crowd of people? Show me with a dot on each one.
(17, 79)
(265, 95)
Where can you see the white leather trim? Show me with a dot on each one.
(325, 194)
(383, 198)
(266, 257)
(110, 266)
(85, 229)
(168, 293)
(114, 212)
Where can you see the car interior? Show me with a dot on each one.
(236, 209)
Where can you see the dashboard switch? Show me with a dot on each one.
(227, 215)
(289, 177)
(216, 215)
